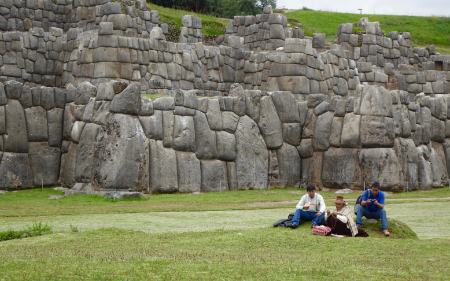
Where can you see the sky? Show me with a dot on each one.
(390, 7)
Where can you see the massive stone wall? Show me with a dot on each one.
(265, 109)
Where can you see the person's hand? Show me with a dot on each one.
(318, 214)
(328, 212)
(334, 214)
(305, 207)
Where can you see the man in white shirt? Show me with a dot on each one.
(311, 207)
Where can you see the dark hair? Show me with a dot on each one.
(311, 187)
(376, 184)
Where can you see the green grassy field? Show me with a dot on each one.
(211, 26)
(216, 236)
(424, 30)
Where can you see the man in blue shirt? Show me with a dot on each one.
(372, 207)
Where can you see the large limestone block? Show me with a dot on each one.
(184, 133)
(69, 120)
(205, 138)
(123, 155)
(168, 125)
(289, 165)
(3, 98)
(437, 130)
(286, 107)
(312, 169)
(438, 165)
(408, 157)
(16, 139)
(380, 164)
(350, 130)
(214, 115)
(252, 104)
(341, 168)
(214, 176)
(36, 118)
(270, 124)
(230, 121)
(45, 163)
(84, 92)
(323, 131)
(189, 173)
(153, 125)
(68, 165)
(336, 131)
(292, 133)
(226, 146)
(15, 170)
(425, 169)
(377, 131)
(128, 101)
(252, 155)
(87, 148)
(2, 120)
(55, 119)
(163, 168)
(376, 101)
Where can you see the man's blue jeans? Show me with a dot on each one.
(379, 214)
(302, 215)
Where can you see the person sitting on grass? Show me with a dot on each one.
(341, 221)
(311, 207)
(372, 207)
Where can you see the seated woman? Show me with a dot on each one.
(340, 220)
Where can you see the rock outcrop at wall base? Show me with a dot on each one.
(268, 108)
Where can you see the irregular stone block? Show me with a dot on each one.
(289, 165)
(36, 123)
(323, 131)
(226, 146)
(270, 124)
(376, 101)
(153, 125)
(189, 173)
(184, 133)
(163, 168)
(377, 131)
(127, 167)
(380, 164)
(252, 156)
(2, 120)
(87, 147)
(15, 170)
(230, 121)
(13, 89)
(16, 139)
(214, 115)
(45, 163)
(336, 131)
(205, 138)
(341, 168)
(128, 101)
(168, 125)
(286, 107)
(214, 176)
(350, 131)
(292, 133)
(55, 126)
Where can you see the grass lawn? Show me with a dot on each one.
(424, 30)
(209, 237)
(211, 26)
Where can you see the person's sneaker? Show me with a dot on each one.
(293, 226)
(386, 233)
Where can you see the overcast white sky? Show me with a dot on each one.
(395, 7)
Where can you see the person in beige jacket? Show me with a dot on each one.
(340, 219)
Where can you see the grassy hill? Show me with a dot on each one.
(424, 30)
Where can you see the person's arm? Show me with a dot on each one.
(301, 203)
(342, 218)
(322, 207)
(365, 198)
(380, 204)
